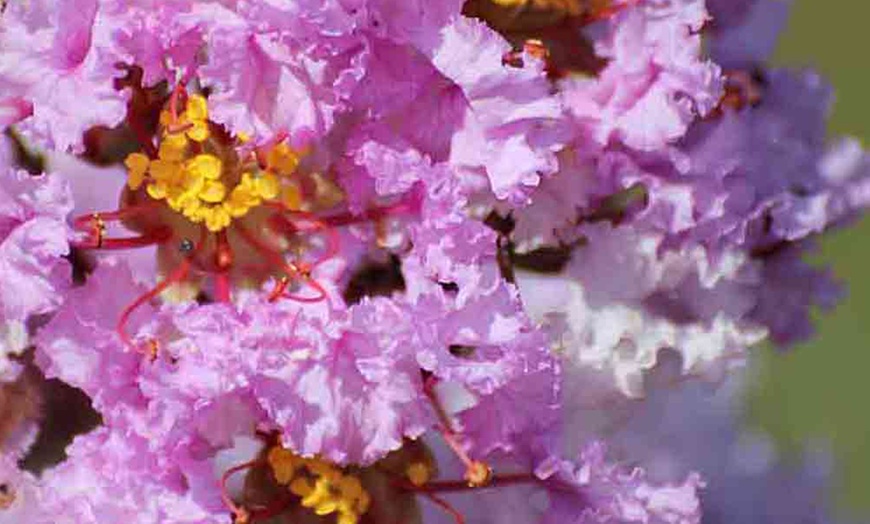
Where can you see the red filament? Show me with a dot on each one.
(179, 274)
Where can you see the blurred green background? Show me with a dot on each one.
(820, 389)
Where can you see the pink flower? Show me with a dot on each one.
(293, 371)
(55, 57)
(106, 477)
(510, 127)
(33, 240)
(610, 493)
(279, 68)
(655, 83)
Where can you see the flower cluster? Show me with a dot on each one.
(394, 261)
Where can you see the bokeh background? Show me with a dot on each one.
(821, 390)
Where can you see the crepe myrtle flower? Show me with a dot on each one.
(224, 183)
(306, 285)
(205, 198)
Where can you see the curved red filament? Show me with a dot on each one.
(449, 509)
(278, 292)
(289, 228)
(240, 514)
(179, 274)
(291, 271)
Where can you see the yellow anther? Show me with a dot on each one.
(321, 485)
(216, 218)
(198, 131)
(165, 170)
(166, 118)
(418, 473)
(174, 199)
(157, 190)
(235, 208)
(301, 487)
(350, 487)
(197, 108)
(192, 185)
(213, 192)
(511, 3)
(327, 192)
(323, 499)
(325, 508)
(321, 468)
(347, 518)
(242, 198)
(192, 208)
(137, 166)
(282, 159)
(291, 195)
(284, 464)
(173, 147)
(243, 137)
(196, 217)
(184, 200)
(267, 186)
(207, 166)
(190, 178)
(99, 228)
(246, 183)
(478, 474)
(192, 123)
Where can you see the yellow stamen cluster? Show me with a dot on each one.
(322, 486)
(193, 180)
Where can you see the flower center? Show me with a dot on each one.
(201, 173)
(224, 212)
